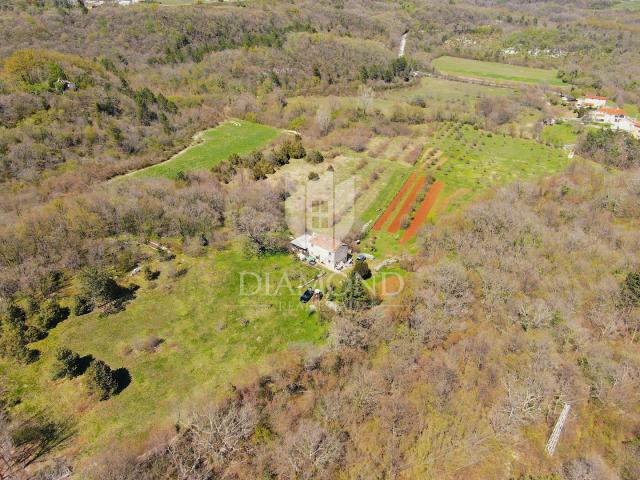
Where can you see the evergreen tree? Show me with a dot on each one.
(50, 314)
(353, 293)
(97, 285)
(101, 380)
(67, 365)
(82, 305)
(13, 335)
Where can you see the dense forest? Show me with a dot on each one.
(524, 300)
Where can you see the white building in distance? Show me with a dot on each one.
(616, 119)
(591, 101)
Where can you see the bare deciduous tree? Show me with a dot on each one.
(218, 432)
(366, 96)
(311, 452)
(323, 119)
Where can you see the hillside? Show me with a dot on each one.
(319, 240)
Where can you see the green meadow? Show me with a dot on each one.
(213, 146)
(560, 134)
(442, 91)
(495, 71)
(630, 5)
(212, 329)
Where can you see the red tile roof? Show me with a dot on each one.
(325, 242)
(611, 111)
(595, 97)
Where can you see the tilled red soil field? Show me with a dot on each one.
(406, 206)
(394, 203)
(423, 211)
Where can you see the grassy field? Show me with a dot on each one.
(439, 90)
(447, 96)
(212, 333)
(194, 2)
(495, 71)
(632, 5)
(631, 109)
(213, 146)
(560, 134)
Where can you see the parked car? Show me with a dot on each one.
(306, 296)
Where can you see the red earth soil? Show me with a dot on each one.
(394, 203)
(423, 211)
(406, 206)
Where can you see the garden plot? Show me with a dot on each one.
(400, 148)
(458, 163)
(362, 185)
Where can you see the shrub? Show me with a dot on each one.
(101, 380)
(632, 287)
(313, 176)
(148, 344)
(419, 102)
(296, 149)
(150, 274)
(362, 269)
(315, 157)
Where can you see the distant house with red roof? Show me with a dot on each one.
(617, 119)
(611, 116)
(591, 101)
